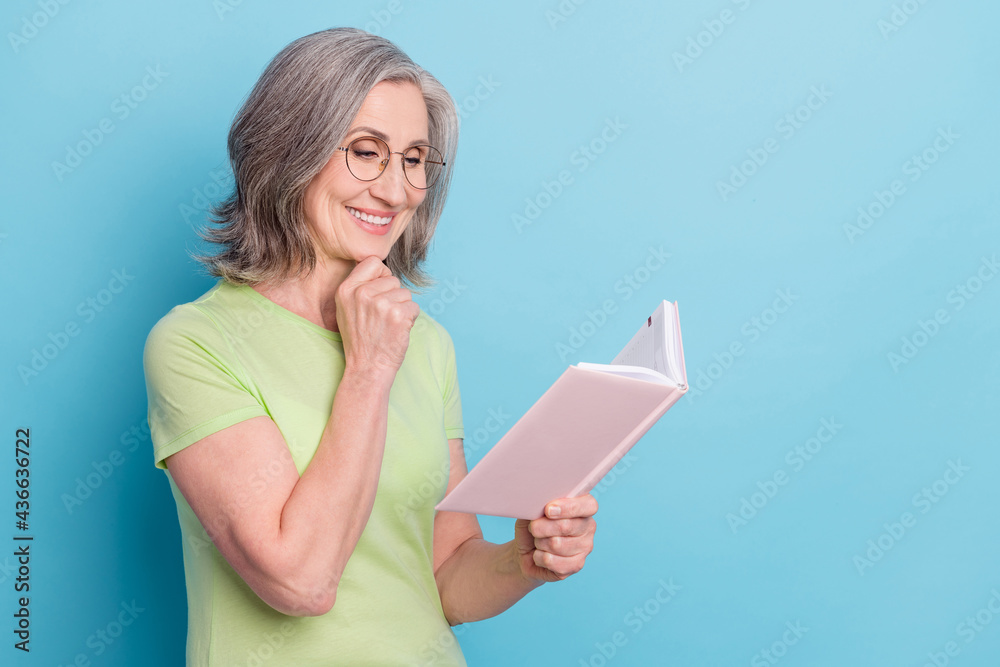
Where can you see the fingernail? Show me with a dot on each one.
(554, 511)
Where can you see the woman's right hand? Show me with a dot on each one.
(374, 316)
(290, 538)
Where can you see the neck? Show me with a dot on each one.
(312, 296)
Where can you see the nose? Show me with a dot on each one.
(390, 186)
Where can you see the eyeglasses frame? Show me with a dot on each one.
(384, 163)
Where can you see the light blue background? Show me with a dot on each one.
(133, 202)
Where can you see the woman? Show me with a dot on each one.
(298, 405)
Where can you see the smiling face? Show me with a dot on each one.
(344, 213)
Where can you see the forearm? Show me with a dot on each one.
(328, 508)
(480, 580)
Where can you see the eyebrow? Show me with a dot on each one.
(383, 136)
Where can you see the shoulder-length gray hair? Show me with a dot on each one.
(288, 128)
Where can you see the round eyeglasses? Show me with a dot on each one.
(367, 158)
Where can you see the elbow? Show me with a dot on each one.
(298, 594)
(316, 603)
(320, 600)
(452, 621)
(308, 599)
(290, 582)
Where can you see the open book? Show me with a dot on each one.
(580, 428)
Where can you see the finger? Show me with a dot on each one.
(412, 309)
(581, 506)
(565, 546)
(369, 268)
(562, 527)
(376, 263)
(407, 312)
(561, 566)
(376, 286)
(359, 281)
(373, 293)
(398, 295)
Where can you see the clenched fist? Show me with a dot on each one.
(374, 315)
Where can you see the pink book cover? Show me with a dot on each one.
(564, 444)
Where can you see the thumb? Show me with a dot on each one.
(523, 539)
(378, 266)
(369, 268)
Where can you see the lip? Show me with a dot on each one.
(378, 230)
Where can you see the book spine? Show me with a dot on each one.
(680, 343)
(616, 455)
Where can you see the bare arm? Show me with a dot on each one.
(290, 537)
(478, 579)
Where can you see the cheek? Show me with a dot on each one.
(400, 228)
(413, 203)
(417, 200)
(333, 185)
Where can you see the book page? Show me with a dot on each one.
(652, 346)
(629, 371)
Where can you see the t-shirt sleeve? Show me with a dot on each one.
(194, 382)
(452, 398)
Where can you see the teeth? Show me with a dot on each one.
(373, 219)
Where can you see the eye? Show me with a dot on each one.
(367, 149)
(415, 157)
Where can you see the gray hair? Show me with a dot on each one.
(288, 128)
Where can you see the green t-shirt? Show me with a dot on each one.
(232, 355)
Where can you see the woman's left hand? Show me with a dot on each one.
(555, 546)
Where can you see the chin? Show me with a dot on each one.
(362, 253)
(381, 256)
